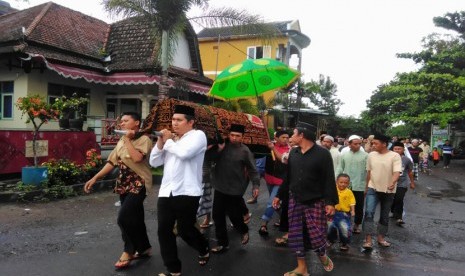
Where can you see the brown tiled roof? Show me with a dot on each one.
(130, 45)
(66, 36)
(70, 30)
(12, 22)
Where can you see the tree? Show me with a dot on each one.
(322, 93)
(433, 94)
(168, 18)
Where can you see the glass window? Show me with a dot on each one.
(6, 99)
(255, 52)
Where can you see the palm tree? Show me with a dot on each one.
(168, 18)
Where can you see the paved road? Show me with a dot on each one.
(79, 236)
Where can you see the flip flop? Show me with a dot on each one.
(367, 245)
(294, 273)
(328, 264)
(245, 238)
(146, 254)
(203, 260)
(219, 249)
(384, 243)
(169, 274)
(263, 231)
(281, 241)
(206, 225)
(123, 263)
(247, 218)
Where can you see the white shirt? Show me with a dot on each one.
(183, 161)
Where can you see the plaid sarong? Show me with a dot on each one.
(307, 223)
(415, 171)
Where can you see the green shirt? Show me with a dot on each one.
(354, 164)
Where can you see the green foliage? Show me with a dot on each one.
(322, 93)
(346, 126)
(433, 94)
(157, 170)
(37, 112)
(241, 105)
(64, 172)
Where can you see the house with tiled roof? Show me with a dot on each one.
(221, 47)
(52, 50)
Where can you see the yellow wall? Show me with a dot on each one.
(232, 51)
(229, 52)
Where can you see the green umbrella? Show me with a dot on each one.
(251, 78)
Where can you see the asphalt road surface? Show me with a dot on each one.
(79, 236)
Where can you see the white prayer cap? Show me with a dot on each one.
(328, 137)
(353, 137)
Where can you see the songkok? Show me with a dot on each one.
(382, 138)
(281, 132)
(237, 128)
(353, 137)
(397, 144)
(328, 137)
(184, 109)
(311, 129)
(306, 126)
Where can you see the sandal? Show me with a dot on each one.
(344, 247)
(203, 260)
(327, 264)
(219, 249)
(247, 218)
(122, 263)
(252, 200)
(169, 274)
(263, 231)
(294, 273)
(281, 241)
(367, 245)
(146, 254)
(245, 238)
(384, 243)
(206, 224)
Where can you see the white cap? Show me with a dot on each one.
(353, 137)
(328, 137)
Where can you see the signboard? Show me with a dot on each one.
(41, 148)
(439, 136)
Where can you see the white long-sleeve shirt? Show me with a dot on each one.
(182, 160)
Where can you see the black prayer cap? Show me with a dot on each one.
(309, 130)
(382, 138)
(184, 109)
(306, 126)
(237, 128)
(397, 144)
(281, 132)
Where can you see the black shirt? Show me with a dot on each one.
(415, 153)
(310, 176)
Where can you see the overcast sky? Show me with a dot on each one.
(354, 42)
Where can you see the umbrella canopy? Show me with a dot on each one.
(251, 78)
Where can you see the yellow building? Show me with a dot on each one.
(221, 47)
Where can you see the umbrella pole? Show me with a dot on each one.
(262, 115)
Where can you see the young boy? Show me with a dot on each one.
(343, 219)
(406, 177)
(436, 156)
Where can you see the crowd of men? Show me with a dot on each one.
(323, 190)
